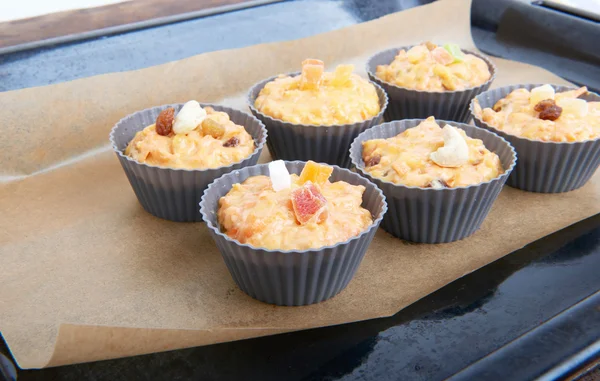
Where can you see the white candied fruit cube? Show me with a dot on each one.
(572, 106)
(541, 93)
(188, 118)
(280, 177)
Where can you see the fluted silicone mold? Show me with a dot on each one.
(546, 167)
(291, 278)
(405, 103)
(174, 193)
(430, 215)
(327, 144)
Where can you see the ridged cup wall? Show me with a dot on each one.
(173, 193)
(429, 215)
(291, 278)
(546, 167)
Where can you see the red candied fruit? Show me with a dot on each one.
(308, 202)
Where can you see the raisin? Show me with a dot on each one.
(542, 105)
(551, 113)
(164, 122)
(233, 142)
(373, 160)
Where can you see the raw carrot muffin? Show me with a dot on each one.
(317, 97)
(194, 138)
(542, 114)
(429, 67)
(291, 212)
(429, 156)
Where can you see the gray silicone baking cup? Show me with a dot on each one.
(428, 215)
(174, 193)
(291, 278)
(546, 167)
(327, 144)
(405, 103)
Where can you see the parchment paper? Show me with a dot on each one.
(88, 275)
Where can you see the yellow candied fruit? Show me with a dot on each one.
(315, 173)
(370, 146)
(312, 72)
(417, 53)
(212, 128)
(400, 167)
(444, 73)
(342, 75)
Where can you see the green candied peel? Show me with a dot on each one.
(455, 51)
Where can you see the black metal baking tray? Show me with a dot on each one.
(533, 313)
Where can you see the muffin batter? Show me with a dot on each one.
(544, 115)
(429, 67)
(214, 142)
(254, 213)
(407, 159)
(319, 98)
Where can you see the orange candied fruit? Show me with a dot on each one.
(312, 72)
(315, 173)
(309, 204)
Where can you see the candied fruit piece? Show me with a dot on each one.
(188, 118)
(400, 167)
(577, 107)
(312, 71)
(315, 173)
(341, 75)
(417, 53)
(541, 93)
(280, 177)
(309, 204)
(212, 128)
(442, 56)
(446, 76)
(455, 51)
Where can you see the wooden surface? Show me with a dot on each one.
(85, 20)
(588, 373)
